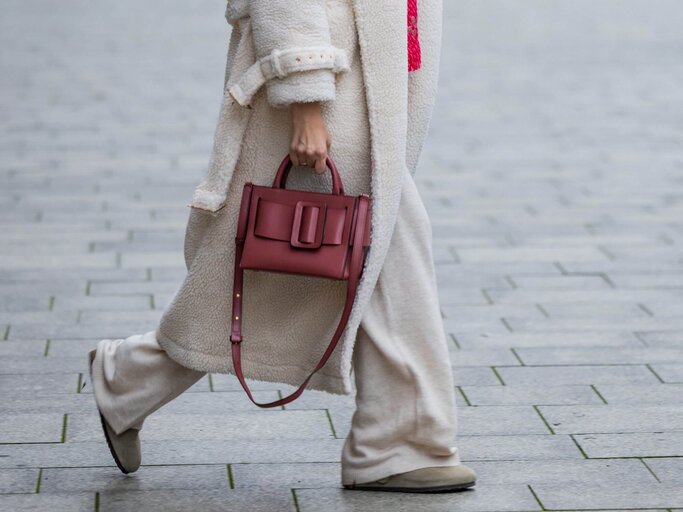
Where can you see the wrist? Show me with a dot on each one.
(302, 111)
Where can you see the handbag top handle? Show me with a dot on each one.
(280, 180)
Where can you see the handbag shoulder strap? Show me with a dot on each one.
(355, 269)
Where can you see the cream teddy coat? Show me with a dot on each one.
(352, 56)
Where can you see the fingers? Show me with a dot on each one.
(310, 141)
(309, 156)
(296, 153)
(320, 165)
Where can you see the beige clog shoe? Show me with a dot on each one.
(124, 447)
(430, 479)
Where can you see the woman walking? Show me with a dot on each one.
(314, 78)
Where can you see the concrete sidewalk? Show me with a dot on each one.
(554, 178)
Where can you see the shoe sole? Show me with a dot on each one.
(104, 424)
(434, 489)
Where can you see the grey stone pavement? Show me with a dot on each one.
(554, 178)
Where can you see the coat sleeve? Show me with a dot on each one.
(295, 57)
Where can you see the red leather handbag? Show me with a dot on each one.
(299, 232)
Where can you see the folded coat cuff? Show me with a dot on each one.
(207, 200)
(283, 64)
(302, 87)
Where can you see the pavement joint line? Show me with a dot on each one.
(39, 480)
(231, 480)
(542, 310)
(517, 356)
(606, 252)
(595, 390)
(659, 378)
(486, 295)
(645, 308)
(560, 267)
(464, 396)
(5, 336)
(498, 376)
(544, 420)
(505, 323)
(329, 419)
(294, 498)
(454, 253)
(649, 469)
(510, 280)
(639, 337)
(533, 493)
(47, 347)
(585, 455)
(530, 210)
(606, 278)
(64, 424)
(666, 239)
(455, 340)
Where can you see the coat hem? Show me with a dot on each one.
(254, 370)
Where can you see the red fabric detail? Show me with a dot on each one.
(414, 54)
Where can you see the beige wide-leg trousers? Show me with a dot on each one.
(405, 414)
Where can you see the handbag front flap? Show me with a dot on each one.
(298, 232)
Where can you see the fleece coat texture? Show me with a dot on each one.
(352, 56)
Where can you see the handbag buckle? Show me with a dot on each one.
(307, 225)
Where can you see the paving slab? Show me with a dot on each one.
(501, 420)
(576, 374)
(531, 395)
(564, 472)
(518, 447)
(669, 372)
(594, 497)
(483, 357)
(667, 470)
(656, 394)
(273, 476)
(18, 481)
(575, 419)
(231, 427)
(76, 502)
(181, 500)
(110, 479)
(96, 453)
(484, 499)
(637, 444)
(31, 428)
(662, 338)
(547, 339)
(602, 355)
(47, 383)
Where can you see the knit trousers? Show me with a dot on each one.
(405, 415)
